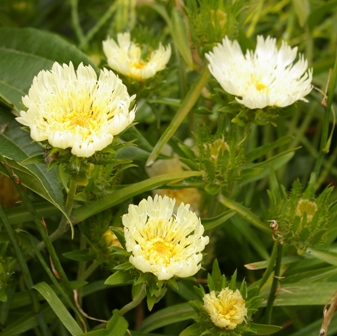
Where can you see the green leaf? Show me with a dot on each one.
(128, 192)
(191, 330)
(117, 325)
(327, 256)
(303, 294)
(17, 146)
(269, 165)
(26, 51)
(211, 223)
(26, 322)
(59, 309)
(179, 35)
(265, 329)
(119, 278)
(302, 10)
(317, 15)
(167, 316)
(187, 104)
(78, 255)
(245, 213)
(267, 148)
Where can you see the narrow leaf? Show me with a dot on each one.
(59, 309)
(180, 37)
(187, 104)
(167, 316)
(126, 193)
(327, 256)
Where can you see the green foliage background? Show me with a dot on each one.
(242, 191)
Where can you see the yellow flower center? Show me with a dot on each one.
(260, 86)
(160, 251)
(139, 64)
(79, 121)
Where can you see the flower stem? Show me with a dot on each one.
(64, 223)
(135, 302)
(273, 290)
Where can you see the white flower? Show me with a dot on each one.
(125, 57)
(74, 109)
(266, 77)
(161, 242)
(227, 309)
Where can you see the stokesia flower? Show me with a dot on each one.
(125, 57)
(161, 242)
(75, 109)
(266, 77)
(226, 309)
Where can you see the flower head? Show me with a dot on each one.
(266, 77)
(161, 242)
(226, 309)
(74, 109)
(125, 57)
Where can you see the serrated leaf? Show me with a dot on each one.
(26, 51)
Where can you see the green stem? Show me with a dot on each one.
(64, 223)
(326, 121)
(274, 286)
(99, 25)
(85, 274)
(135, 302)
(76, 22)
(329, 164)
(25, 272)
(270, 267)
(187, 104)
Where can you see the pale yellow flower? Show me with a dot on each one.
(226, 309)
(162, 242)
(75, 109)
(125, 57)
(266, 77)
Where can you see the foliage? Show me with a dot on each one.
(262, 180)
